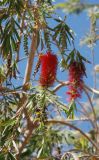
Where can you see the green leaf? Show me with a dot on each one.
(68, 31)
(38, 39)
(11, 156)
(83, 58)
(10, 37)
(9, 122)
(63, 35)
(2, 156)
(58, 20)
(47, 39)
(72, 108)
(25, 44)
(59, 26)
(40, 152)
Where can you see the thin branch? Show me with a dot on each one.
(91, 89)
(62, 84)
(24, 97)
(93, 34)
(77, 119)
(30, 128)
(91, 104)
(24, 143)
(27, 77)
(86, 114)
(81, 151)
(23, 58)
(21, 31)
(20, 110)
(31, 58)
(94, 113)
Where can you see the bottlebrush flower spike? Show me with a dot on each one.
(48, 69)
(76, 73)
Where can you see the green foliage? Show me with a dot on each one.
(7, 128)
(47, 39)
(74, 55)
(10, 37)
(25, 44)
(63, 35)
(26, 110)
(18, 5)
(72, 108)
(2, 75)
(42, 98)
(10, 26)
(48, 138)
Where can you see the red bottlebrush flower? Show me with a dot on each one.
(76, 73)
(48, 69)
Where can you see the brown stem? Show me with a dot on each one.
(86, 114)
(30, 127)
(24, 97)
(95, 118)
(60, 85)
(91, 89)
(19, 43)
(93, 34)
(94, 113)
(24, 143)
(31, 58)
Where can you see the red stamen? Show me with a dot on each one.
(48, 69)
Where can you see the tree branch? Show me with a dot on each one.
(91, 89)
(94, 113)
(30, 125)
(30, 128)
(62, 84)
(74, 127)
(31, 57)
